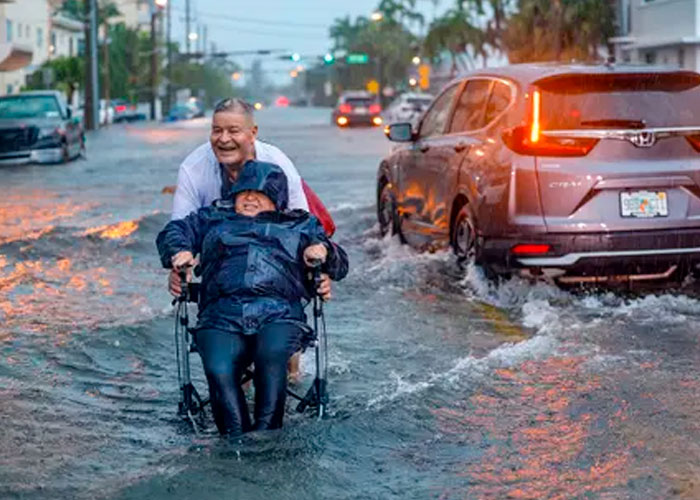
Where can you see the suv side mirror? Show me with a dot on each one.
(400, 132)
(69, 112)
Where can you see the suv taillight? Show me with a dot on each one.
(375, 109)
(694, 141)
(519, 139)
(529, 140)
(345, 108)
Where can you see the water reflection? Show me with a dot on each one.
(551, 447)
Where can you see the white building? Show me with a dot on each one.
(659, 32)
(67, 37)
(135, 14)
(24, 40)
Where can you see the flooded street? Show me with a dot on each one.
(443, 385)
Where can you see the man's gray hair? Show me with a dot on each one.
(235, 105)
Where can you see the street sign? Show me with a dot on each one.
(424, 76)
(357, 59)
(373, 86)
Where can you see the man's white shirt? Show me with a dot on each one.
(199, 179)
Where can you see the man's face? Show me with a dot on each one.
(251, 203)
(233, 137)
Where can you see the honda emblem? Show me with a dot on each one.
(643, 139)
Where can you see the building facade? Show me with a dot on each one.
(24, 41)
(663, 32)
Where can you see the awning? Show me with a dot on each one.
(14, 57)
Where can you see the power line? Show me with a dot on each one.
(258, 21)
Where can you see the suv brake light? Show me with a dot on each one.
(375, 109)
(519, 139)
(694, 141)
(529, 140)
(120, 108)
(345, 108)
(531, 249)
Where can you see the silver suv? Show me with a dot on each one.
(578, 172)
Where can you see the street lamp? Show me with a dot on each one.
(376, 16)
(193, 36)
(161, 4)
(416, 60)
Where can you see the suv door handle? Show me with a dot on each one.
(461, 146)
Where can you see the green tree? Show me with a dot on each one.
(455, 33)
(66, 74)
(558, 30)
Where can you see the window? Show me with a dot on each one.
(500, 99)
(469, 114)
(436, 118)
(9, 88)
(27, 31)
(70, 46)
(681, 58)
(650, 57)
(8, 30)
(39, 37)
(19, 30)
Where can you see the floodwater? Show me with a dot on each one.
(443, 385)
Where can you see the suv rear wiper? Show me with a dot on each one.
(612, 122)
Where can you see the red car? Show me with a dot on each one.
(357, 108)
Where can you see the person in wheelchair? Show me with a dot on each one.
(255, 257)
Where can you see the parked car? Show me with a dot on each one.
(38, 127)
(576, 172)
(124, 111)
(181, 112)
(357, 107)
(408, 107)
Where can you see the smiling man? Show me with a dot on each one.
(214, 166)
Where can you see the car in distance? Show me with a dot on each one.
(124, 111)
(580, 173)
(38, 127)
(357, 107)
(408, 107)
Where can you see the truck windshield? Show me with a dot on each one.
(12, 107)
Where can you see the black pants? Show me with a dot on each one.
(226, 355)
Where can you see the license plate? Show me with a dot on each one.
(361, 111)
(644, 204)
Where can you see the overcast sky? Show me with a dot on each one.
(294, 25)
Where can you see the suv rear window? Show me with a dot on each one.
(635, 100)
(359, 101)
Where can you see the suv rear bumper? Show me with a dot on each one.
(601, 253)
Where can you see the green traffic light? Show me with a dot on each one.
(329, 59)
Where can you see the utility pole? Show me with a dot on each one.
(92, 94)
(204, 43)
(154, 63)
(169, 91)
(187, 27)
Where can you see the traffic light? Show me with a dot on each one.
(328, 58)
(424, 76)
(295, 57)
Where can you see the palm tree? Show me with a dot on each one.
(454, 33)
(559, 30)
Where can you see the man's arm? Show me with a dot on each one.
(186, 199)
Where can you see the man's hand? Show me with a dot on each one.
(314, 253)
(324, 288)
(182, 260)
(174, 281)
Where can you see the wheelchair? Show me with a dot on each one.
(191, 406)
